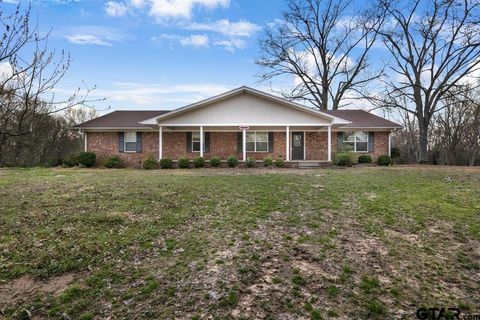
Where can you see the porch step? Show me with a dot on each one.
(308, 165)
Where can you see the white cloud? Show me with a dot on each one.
(231, 45)
(241, 28)
(131, 95)
(92, 35)
(181, 8)
(194, 40)
(115, 9)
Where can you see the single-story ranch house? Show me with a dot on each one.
(244, 122)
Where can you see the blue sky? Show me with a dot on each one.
(157, 54)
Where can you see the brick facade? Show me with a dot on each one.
(222, 144)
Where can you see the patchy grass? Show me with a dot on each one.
(195, 244)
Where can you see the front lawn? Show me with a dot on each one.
(238, 243)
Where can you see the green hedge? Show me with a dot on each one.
(384, 160)
(215, 161)
(183, 163)
(268, 161)
(364, 158)
(150, 163)
(232, 161)
(343, 159)
(198, 162)
(113, 162)
(166, 163)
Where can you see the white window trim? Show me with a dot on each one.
(355, 141)
(255, 142)
(125, 142)
(199, 141)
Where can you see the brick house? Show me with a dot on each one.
(244, 122)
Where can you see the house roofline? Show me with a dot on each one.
(225, 95)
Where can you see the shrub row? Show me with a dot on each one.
(215, 161)
(88, 159)
(346, 159)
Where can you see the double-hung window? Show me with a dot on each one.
(357, 141)
(130, 144)
(257, 141)
(196, 142)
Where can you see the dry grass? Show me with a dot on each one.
(238, 243)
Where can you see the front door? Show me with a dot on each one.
(297, 146)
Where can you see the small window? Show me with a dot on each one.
(196, 142)
(356, 141)
(130, 141)
(257, 142)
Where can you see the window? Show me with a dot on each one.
(130, 141)
(356, 141)
(257, 141)
(196, 142)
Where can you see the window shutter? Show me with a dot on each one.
(121, 140)
(339, 141)
(270, 142)
(139, 142)
(371, 141)
(189, 142)
(239, 142)
(207, 141)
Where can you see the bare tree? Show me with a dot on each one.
(456, 131)
(31, 73)
(324, 48)
(434, 47)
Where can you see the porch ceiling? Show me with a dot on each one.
(250, 128)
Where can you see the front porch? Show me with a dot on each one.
(291, 143)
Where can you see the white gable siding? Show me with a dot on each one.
(244, 109)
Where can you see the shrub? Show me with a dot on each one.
(113, 162)
(384, 160)
(87, 159)
(183, 163)
(71, 160)
(343, 159)
(215, 161)
(279, 163)
(364, 158)
(198, 162)
(268, 162)
(232, 161)
(251, 161)
(166, 163)
(150, 163)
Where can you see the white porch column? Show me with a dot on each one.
(329, 130)
(390, 143)
(244, 144)
(85, 141)
(160, 142)
(287, 144)
(201, 141)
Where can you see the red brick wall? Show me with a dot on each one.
(380, 148)
(222, 144)
(105, 144)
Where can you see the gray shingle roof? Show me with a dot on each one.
(121, 119)
(363, 119)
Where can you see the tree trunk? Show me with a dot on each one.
(423, 142)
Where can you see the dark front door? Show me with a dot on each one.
(297, 146)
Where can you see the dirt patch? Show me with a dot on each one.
(25, 286)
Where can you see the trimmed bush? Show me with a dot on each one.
(251, 162)
(232, 161)
(279, 163)
(343, 159)
(87, 159)
(384, 160)
(113, 162)
(364, 158)
(166, 163)
(268, 161)
(150, 163)
(71, 160)
(215, 161)
(198, 162)
(183, 163)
